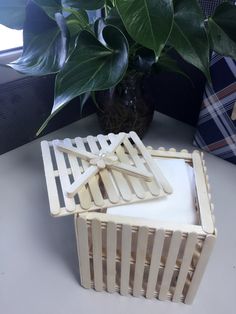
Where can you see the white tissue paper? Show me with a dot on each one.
(178, 207)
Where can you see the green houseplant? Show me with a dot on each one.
(109, 56)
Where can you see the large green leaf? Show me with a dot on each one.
(12, 13)
(98, 27)
(44, 53)
(84, 4)
(77, 21)
(189, 36)
(91, 67)
(113, 18)
(51, 7)
(79, 16)
(222, 30)
(148, 22)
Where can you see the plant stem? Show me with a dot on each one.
(106, 9)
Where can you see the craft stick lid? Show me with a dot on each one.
(96, 172)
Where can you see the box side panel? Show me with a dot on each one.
(139, 260)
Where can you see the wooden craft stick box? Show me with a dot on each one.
(149, 237)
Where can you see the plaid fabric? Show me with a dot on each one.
(216, 130)
(208, 6)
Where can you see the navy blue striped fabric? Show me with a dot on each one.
(216, 130)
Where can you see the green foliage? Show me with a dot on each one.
(84, 4)
(189, 36)
(103, 63)
(51, 7)
(44, 53)
(148, 22)
(222, 30)
(133, 35)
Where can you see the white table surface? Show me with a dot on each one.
(38, 258)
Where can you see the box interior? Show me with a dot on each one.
(178, 207)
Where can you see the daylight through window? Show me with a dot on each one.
(10, 38)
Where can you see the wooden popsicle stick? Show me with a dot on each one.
(112, 193)
(121, 181)
(84, 195)
(140, 260)
(64, 178)
(125, 259)
(135, 182)
(155, 262)
(50, 179)
(93, 182)
(83, 251)
(152, 164)
(139, 222)
(170, 154)
(82, 180)
(185, 265)
(111, 256)
(203, 195)
(152, 186)
(169, 265)
(132, 171)
(74, 151)
(97, 254)
(117, 141)
(200, 268)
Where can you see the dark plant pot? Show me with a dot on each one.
(125, 107)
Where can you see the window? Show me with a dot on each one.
(10, 38)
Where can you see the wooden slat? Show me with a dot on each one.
(152, 186)
(93, 182)
(162, 152)
(170, 263)
(139, 222)
(75, 152)
(120, 179)
(140, 260)
(152, 164)
(130, 170)
(112, 193)
(135, 182)
(64, 178)
(185, 266)
(111, 256)
(170, 154)
(202, 193)
(54, 201)
(97, 254)
(200, 268)
(117, 141)
(125, 259)
(82, 180)
(155, 263)
(83, 193)
(83, 251)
